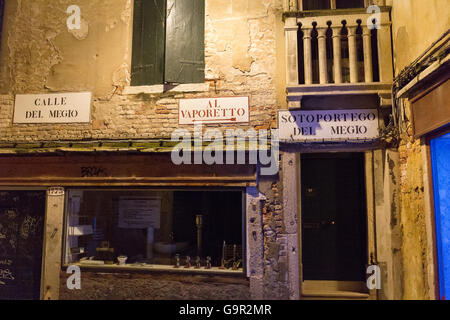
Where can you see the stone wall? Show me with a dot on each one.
(243, 51)
(144, 286)
(276, 280)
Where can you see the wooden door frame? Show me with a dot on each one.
(370, 214)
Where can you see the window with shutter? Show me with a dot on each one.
(168, 42)
(185, 54)
(148, 42)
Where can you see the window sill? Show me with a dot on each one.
(160, 269)
(162, 88)
(331, 295)
(331, 12)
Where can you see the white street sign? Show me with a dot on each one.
(53, 108)
(328, 125)
(214, 110)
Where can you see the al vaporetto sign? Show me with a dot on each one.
(214, 110)
(328, 125)
(53, 108)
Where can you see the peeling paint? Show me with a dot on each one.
(121, 76)
(126, 13)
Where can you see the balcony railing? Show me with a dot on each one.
(338, 52)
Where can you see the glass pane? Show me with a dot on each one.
(316, 4)
(155, 227)
(345, 4)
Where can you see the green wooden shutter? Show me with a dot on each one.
(185, 41)
(147, 65)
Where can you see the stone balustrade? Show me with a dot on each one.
(333, 49)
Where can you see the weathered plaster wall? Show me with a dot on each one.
(415, 243)
(388, 222)
(243, 48)
(416, 24)
(43, 55)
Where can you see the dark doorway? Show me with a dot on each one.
(334, 227)
(21, 238)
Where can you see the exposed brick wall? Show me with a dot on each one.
(140, 286)
(122, 117)
(275, 242)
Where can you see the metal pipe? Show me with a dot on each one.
(199, 224)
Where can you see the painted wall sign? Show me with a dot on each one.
(214, 110)
(328, 125)
(53, 108)
(139, 212)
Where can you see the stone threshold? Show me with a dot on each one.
(331, 295)
(320, 289)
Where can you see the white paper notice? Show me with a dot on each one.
(139, 213)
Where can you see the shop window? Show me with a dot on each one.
(168, 42)
(167, 228)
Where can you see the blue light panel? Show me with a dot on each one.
(440, 158)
